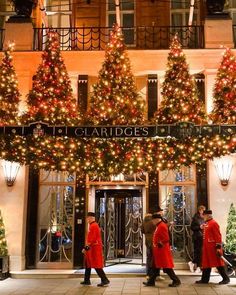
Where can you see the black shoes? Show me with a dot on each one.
(148, 284)
(175, 284)
(224, 282)
(201, 282)
(87, 283)
(104, 284)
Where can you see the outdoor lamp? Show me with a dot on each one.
(10, 170)
(223, 168)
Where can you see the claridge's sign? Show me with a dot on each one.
(116, 131)
(179, 130)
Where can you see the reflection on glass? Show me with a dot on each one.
(54, 176)
(181, 175)
(178, 202)
(120, 218)
(55, 228)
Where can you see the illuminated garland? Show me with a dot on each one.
(114, 101)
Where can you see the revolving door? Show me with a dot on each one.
(119, 213)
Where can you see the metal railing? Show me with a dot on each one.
(234, 32)
(96, 38)
(1, 38)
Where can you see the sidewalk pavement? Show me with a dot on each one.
(118, 286)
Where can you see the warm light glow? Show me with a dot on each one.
(119, 177)
(223, 168)
(10, 170)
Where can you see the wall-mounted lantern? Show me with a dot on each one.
(10, 170)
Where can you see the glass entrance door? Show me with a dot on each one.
(177, 198)
(120, 219)
(55, 220)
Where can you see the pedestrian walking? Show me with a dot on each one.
(93, 252)
(148, 228)
(212, 250)
(197, 238)
(162, 257)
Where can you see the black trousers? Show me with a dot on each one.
(197, 251)
(169, 271)
(149, 263)
(206, 272)
(100, 272)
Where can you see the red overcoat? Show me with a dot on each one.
(162, 257)
(94, 256)
(211, 237)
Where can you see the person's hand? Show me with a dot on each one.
(202, 226)
(218, 252)
(159, 245)
(86, 248)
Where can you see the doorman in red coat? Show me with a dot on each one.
(162, 257)
(212, 250)
(93, 252)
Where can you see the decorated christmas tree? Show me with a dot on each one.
(51, 99)
(9, 93)
(224, 93)
(180, 101)
(231, 230)
(115, 99)
(3, 243)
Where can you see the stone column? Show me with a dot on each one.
(218, 32)
(20, 31)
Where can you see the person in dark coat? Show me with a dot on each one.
(162, 257)
(93, 252)
(197, 237)
(148, 229)
(212, 250)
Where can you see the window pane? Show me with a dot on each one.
(128, 20)
(111, 5)
(234, 18)
(111, 19)
(176, 4)
(177, 19)
(181, 175)
(233, 4)
(127, 5)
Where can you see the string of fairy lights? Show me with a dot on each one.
(114, 101)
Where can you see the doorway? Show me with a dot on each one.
(178, 199)
(119, 213)
(55, 228)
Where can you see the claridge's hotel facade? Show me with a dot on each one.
(85, 124)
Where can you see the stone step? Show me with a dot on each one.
(119, 270)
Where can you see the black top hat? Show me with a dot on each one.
(92, 214)
(159, 209)
(156, 215)
(207, 212)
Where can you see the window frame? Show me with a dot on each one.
(122, 13)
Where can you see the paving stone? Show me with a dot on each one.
(118, 286)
